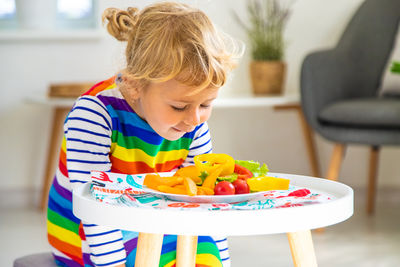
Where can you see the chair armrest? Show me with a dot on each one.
(324, 78)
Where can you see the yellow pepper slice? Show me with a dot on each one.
(205, 191)
(266, 183)
(180, 186)
(171, 190)
(212, 177)
(190, 171)
(210, 162)
(190, 186)
(154, 180)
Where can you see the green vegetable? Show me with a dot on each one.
(203, 175)
(230, 178)
(253, 166)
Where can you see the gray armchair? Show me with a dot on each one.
(339, 88)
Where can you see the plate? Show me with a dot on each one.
(205, 198)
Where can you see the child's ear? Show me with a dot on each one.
(134, 92)
(132, 88)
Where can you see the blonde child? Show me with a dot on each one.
(150, 117)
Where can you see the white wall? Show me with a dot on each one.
(260, 133)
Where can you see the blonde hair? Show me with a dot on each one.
(171, 40)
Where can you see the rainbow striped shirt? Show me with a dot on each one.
(103, 133)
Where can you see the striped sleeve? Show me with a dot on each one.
(88, 132)
(201, 144)
(105, 244)
(222, 244)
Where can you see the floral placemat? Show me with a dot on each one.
(123, 189)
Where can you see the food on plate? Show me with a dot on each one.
(190, 171)
(254, 167)
(224, 188)
(190, 186)
(242, 172)
(211, 162)
(217, 174)
(172, 190)
(241, 186)
(266, 183)
(154, 180)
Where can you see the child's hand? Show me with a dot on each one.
(120, 265)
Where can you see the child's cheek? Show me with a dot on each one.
(170, 118)
(205, 116)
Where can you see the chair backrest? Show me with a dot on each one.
(367, 41)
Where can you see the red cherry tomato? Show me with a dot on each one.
(243, 172)
(224, 188)
(241, 186)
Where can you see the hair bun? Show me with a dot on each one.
(120, 22)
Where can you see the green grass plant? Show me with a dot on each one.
(267, 20)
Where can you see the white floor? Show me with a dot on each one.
(361, 241)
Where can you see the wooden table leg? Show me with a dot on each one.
(307, 135)
(148, 250)
(186, 250)
(302, 249)
(52, 154)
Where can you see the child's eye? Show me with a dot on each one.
(178, 108)
(205, 106)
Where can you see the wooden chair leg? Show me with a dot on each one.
(334, 168)
(372, 178)
(307, 135)
(336, 162)
(310, 144)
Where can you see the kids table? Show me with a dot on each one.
(188, 224)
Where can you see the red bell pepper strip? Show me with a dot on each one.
(242, 172)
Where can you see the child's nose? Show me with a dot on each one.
(193, 117)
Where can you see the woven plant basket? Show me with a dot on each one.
(267, 77)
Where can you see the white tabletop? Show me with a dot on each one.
(222, 222)
(245, 100)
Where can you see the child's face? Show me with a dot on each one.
(172, 109)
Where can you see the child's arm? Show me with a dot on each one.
(88, 132)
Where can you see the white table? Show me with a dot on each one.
(188, 224)
(61, 107)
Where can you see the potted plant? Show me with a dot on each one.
(267, 21)
(395, 68)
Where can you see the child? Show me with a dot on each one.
(151, 117)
